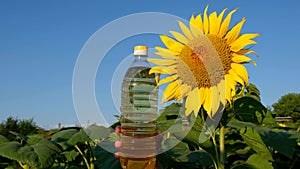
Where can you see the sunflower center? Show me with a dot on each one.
(223, 50)
(204, 61)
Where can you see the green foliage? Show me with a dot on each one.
(253, 140)
(24, 127)
(253, 91)
(248, 109)
(40, 155)
(252, 137)
(288, 105)
(256, 161)
(105, 159)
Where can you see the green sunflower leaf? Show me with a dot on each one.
(98, 132)
(258, 162)
(276, 140)
(41, 155)
(105, 159)
(3, 139)
(199, 157)
(249, 110)
(70, 137)
(253, 139)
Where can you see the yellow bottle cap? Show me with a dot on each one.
(140, 50)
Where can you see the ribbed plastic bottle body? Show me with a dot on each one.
(139, 101)
(139, 96)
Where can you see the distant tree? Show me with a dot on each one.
(288, 105)
(24, 127)
(11, 124)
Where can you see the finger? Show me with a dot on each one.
(118, 144)
(117, 155)
(118, 129)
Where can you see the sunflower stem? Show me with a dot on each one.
(222, 147)
(83, 156)
(216, 149)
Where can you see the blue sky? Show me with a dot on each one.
(40, 42)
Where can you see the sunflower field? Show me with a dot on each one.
(252, 139)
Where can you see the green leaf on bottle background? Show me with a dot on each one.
(3, 139)
(253, 139)
(98, 132)
(78, 138)
(34, 138)
(25, 138)
(199, 157)
(237, 124)
(249, 109)
(259, 162)
(113, 137)
(275, 140)
(70, 137)
(175, 147)
(170, 112)
(269, 121)
(105, 159)
(180, 156)
(62, 137)
(40, 155)
(253, 91)
(165, 125)
(70, 155)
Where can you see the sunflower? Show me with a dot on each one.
(204, 63)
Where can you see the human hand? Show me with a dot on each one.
(118, 144)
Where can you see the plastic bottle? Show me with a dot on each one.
(139, 101)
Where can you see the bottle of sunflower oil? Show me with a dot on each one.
(139, 101)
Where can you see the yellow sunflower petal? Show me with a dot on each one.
(202, 95)
(206, 21)
(219, 20)
(199, 23)
(171, 44)
(192, 102)
(213, 27)
(169, 91)
(181, 38)
(234, 32)
(229, 81)
(240, 71)
(215, 22)
(166, 62)
(236, 77)
(215, 94)
(185, 30)
(242, 59)
(163, 69)
(165, 53)
(245, 51)
(228, 93)
(242, 41)
(208, 101)
(233, 92)
(167, 79)
(184, 90)
(175, 94)
(222, 93)
(225, 24)
(195, 26)
(230, 87)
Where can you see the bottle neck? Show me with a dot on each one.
(140, 57)
(140, 61)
